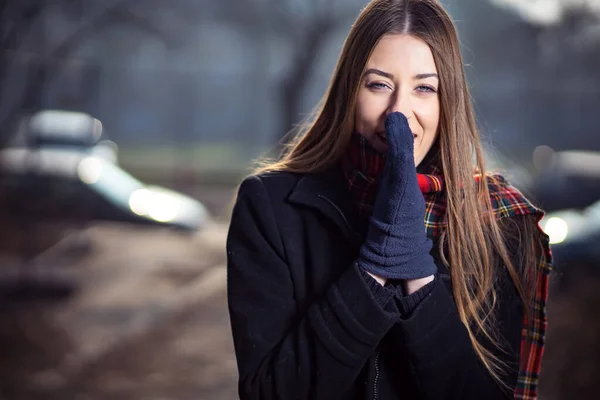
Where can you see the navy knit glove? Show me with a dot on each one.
(396, 246)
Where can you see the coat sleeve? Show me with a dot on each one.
(442, 359)
(283, 353)
(441, 356)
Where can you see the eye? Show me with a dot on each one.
(377, 86)
(426, 88)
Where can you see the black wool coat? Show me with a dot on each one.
(307, 325)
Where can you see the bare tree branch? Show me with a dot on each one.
(38, 74)
(20, 24)
(127, 16)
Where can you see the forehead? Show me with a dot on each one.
(399, 53)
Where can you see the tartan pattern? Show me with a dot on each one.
(533, 335)
(362, 165)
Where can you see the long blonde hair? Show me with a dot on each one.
(321, 142)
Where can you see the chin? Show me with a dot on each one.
(418, 160)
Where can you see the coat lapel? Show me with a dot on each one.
(327, 193)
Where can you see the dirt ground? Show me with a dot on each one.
(148, 321)
(188, 357)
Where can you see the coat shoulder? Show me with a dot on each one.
(276, 184)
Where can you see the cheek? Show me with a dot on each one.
(431, 118)
(368, 114)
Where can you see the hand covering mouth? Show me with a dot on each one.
(383, 136)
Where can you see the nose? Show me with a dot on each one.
(400, 102)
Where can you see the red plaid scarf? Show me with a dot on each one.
(362, 165)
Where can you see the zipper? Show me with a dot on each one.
(341, 214)
(376, 380)
(377, 354)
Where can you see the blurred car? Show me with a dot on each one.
(567, 180)
(57, 174)
(63, 167)
(574, 235)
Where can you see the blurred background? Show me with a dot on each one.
(126, 125)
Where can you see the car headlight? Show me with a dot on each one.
(557, 230)
(159, 206)
(89, 169)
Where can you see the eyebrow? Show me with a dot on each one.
(390, 76)
(379, 72)
(425, 76)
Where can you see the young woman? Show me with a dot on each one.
(377, 259)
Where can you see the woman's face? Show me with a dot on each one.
(400, 76)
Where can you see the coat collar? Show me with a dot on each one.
(328, 193)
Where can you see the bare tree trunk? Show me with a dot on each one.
(297, 80)
(38, 75)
